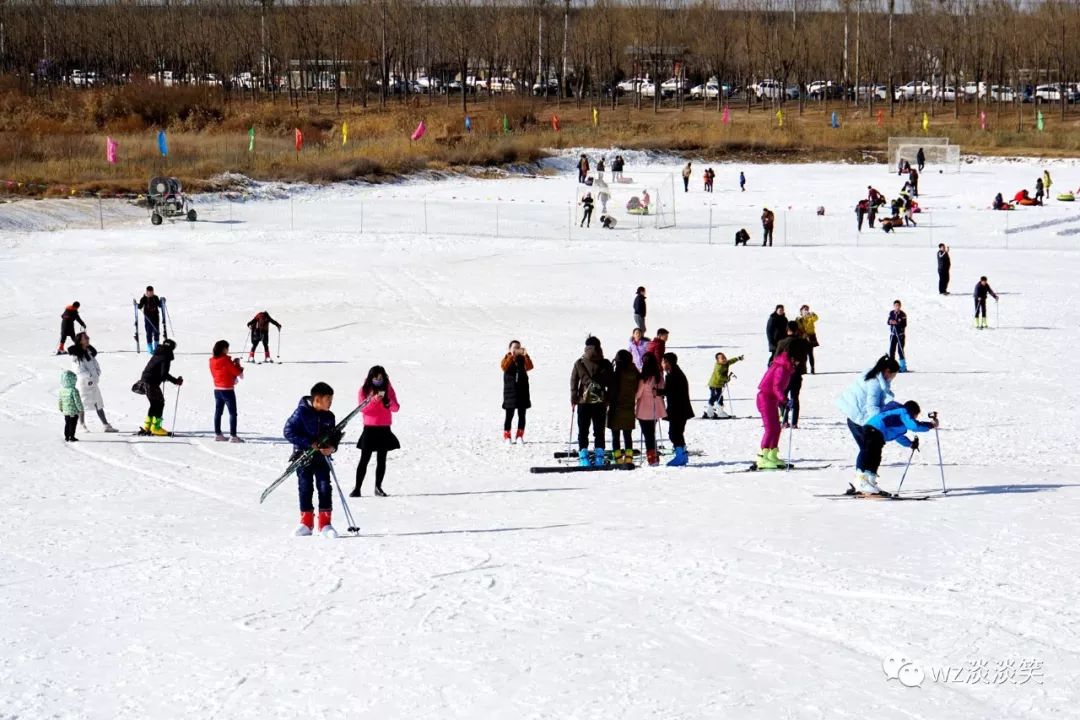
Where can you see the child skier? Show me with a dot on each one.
(377, 437)
(982, 289)
(84, 359)
(70, 404)
(880, 429)
(150, 304)
(677, 393)
(225, 371)
(153, 375)
(771, 391)
(649, 405)
(808, 327)
(622, 399)
(516, 365)
(68, 318)
(898, 334)
(310, 426)
(721, 376)
(260, 333)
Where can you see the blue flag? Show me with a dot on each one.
(162, 145)
(835, 120)
(468, 124)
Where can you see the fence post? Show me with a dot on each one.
(1006, 231)
(101, 217)
(710, 223)
(361, 216)
(569, 221)
(425, 215)
(292, 214)
(785, 228)
(496, 219)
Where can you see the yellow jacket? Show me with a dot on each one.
(806, 323)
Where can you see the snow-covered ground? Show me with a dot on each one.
(140, 578)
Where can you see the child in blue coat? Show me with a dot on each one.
(890, 424)
(310, 426)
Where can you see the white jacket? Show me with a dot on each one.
(89, 374)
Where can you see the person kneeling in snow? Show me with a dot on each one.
(890, 424)
(742, 237)
(608, 222)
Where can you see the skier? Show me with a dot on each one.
(640, 308)
(898, 334)
(775, 329)
(308, 424)
(686, 173)
(70, 404)
(677, 393)
(920, 159)
(808, 328)
(865, 397)
(982, 289)
(84, 359)
(742, 181)
(770, 395)
(68, 318)
(622, 402)
(516, 365)
(638, 347)
(658, 345)
(649, 406)
(721, 376)
(150, 304)
(768, 218)
(944, 263)
(225, 371)
(153, 375)
(260, 333)
(377, 437)
(891, 424)
(861, 209)
(794, 345)
(589, 382)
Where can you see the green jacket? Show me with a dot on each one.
(70, 403)
(720, 376)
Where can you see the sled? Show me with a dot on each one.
(1066, 197)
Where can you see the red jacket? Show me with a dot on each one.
(225, 372)
(657, 348)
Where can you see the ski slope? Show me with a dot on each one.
(140, 578)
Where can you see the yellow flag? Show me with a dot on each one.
(344, 133)
(595, 117)
(779, 118)
(925, 122)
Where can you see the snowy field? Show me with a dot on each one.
(140, 577)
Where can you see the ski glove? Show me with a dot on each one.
(915, 443)
(179, 380)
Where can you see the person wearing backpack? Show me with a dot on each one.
(589, 381)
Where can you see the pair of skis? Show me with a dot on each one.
(164, 321)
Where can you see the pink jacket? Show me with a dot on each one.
(647, 404)
(376, 414)
(775, 381)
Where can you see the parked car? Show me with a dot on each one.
(428, 83)
(632, 84)
(1055, 93)
(1001, 93)
(774, 89)
(914, 90)
(944, 94)
(864, 92)
(673, 85)
(711, 90)
(548, 88)
(972, 89)
(646, 89)
(822, 89)
(83, 78)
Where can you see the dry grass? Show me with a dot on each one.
(56, 144)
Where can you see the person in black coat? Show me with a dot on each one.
(742, 237)
(154, 374)
(516, 365)
(68, 318)
(776, 329)
(676, 392)
(639, 310)
(944, 263)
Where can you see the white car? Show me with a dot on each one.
(945, 94)
(1001, 93)
(425, 83)
(632, 84)
(774, 89)
(1054, 93)
(502, 85)
(673, 85)
(710, 90)
(646, 89)
(912, 90)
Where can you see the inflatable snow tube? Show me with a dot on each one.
(1026, 201)
(1066, 197)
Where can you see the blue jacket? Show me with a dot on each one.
(863, 399)
(306, 425)
(892, 424)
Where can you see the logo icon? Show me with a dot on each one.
(897, 666)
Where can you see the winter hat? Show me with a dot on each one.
(169, 343)
(592, 341)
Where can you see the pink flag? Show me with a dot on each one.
(725, 117)
(299, 138)
(982, 120)
(419, 131)
(110, 150)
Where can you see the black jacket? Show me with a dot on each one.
(639, 305)
(150, 307)
(776, 329)
(76, 351)
(981, 291)
(69, 317)
(677, 393)
(943, 260)
(516, 385)
(898, 319)
(157, 370)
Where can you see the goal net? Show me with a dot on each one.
(637, 199)
(939, 153)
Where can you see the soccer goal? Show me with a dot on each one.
(940, 154)
(638, 199)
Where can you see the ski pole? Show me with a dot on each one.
(344, 503)
(176, 406)
(730, 403)
(790, 436)
(570, 439)
(279, 344)
(906, 467)
(937, 441)
(997, 313)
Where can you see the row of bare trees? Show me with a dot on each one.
(359, 50)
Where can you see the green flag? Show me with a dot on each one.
(506, 125)
(251, 139)
(1039, 121)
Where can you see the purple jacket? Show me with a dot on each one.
(638, 351)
